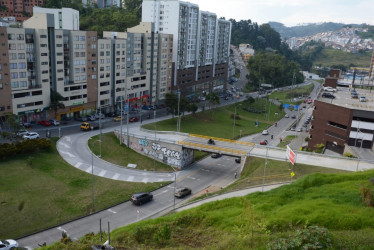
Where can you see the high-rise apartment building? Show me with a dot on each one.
(18, 8)
(65, 18)
(371, 74)
(201, 44)
(89, 73)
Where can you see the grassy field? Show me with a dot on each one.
(50, 192)
(330, 202)
(286, 95)
(330, 57)
(287, 140)
(113, 152)
(219, 122)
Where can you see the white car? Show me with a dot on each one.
(265, 132)
(54, 122)
(8, 244)
(329, 89)
(98, 115)
(362, 99)
(29, 136)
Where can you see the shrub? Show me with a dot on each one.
(350, 155)
(312, 237)
(306, 138)
(367, 195)
(7, 150)
(163, 234)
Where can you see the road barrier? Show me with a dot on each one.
(223, 140)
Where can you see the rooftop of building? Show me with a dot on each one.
(344, 98)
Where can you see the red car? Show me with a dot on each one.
(45, 123)
(310, 101)
(264, 142)
(134, 119)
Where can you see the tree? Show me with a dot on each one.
(11, 126)
(213, 99)
(56, 103)
(171, 102)
(192, 107)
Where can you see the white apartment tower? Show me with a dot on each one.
(201, 44)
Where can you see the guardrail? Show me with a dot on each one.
(223, 140)
(200, 146)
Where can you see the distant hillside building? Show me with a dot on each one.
(65, 18)
(18, 8)
(246, 51)
(201, 45)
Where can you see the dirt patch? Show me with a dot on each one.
(208, 190)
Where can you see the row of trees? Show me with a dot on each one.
(104, 19)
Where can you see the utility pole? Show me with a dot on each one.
(178, 121)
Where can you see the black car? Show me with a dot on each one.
(215, 155)
(141, 198)
(237, 160)
(182, 192)
(328, 95)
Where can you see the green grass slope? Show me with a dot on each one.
(330, 57)
(271, 220)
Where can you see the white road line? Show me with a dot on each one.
(160, 180)
(78, 164)
(145, 180)
(110, 210)
(65, 145)
(116, 176)
(102, 173)
(165, 191)
(89, 170)
(67, 153)
(189, 177)
(61, 229)
(130, 178)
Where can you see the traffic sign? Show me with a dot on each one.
(290, 155)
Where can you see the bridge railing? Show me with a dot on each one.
(223, 140)
(212, 148)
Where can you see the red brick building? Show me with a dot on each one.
(18, 8)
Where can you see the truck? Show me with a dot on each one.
(86, 126)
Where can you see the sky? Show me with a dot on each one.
(292, 12)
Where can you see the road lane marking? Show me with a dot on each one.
(145, 180)
(78, 164)
(116, 176)
(130, 178)
(110, 210)
(102, 173)
(67, 153)
(89, 170)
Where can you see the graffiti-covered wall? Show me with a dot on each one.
(169, 153)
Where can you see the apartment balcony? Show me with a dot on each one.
(32, 77)
(35, 86)
(29, 40)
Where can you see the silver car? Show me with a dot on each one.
(30, 135)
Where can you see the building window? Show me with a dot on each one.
(14, 85)
(13, 75)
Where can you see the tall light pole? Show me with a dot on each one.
(178, 121)
(100, 130)
(154, 121)
(92, 175)
(233, 128)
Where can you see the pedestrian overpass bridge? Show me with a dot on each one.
(177, 150)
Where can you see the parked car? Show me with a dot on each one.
(182, 192)
(118, 118)
(329, 89)
(8, 244)
(265, 132)
(299, 130)
(237, 160)
(133, 119)
(264, 142)
(362, 99)
(293, 116)
(328, 95)
(25, 124)
(30, 135)
(309, 101)
(216, 155)
(91, 117)
(54, 122)
(293, 128)
(141, 198)
(99, 115)
(286, 116)
(80, 118)
(45, 123)
(354, 95)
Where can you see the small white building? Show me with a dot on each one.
(65, 18)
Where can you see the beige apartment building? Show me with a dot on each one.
(89, 73)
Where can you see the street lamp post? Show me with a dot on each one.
(154, 121)
(178, 121)
(233, 128)
(100, 130)
(92, 175)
